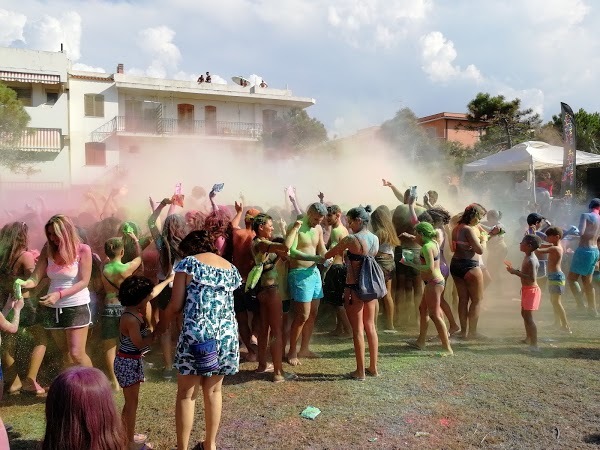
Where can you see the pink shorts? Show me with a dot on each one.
(530, 298)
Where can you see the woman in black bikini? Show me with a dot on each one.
(266, 252)
(361, 314)
(467, 244)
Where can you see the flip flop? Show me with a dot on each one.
(414, 345)
(286, 377)
(37, 390)
(199, 446)
(269, 369)
(352, 376)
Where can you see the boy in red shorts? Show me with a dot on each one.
(530, 291)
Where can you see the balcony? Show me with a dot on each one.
(136, 126)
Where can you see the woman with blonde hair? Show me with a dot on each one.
(383, 228)
(65, 310)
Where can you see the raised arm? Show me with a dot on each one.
(399, 195)
(235, 222)
(211, 196)
(155, 214)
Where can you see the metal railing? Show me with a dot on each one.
(176, 127)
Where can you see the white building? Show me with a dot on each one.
(112, 123)
(40, 80)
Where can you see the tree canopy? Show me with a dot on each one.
(295, 130)
(13, 126)
(505, 123)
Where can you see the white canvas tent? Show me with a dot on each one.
(528, 155)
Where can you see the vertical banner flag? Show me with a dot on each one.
(569, 155)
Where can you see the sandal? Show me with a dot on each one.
(37, 389)
(199, 446)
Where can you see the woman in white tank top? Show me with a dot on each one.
(65, 309)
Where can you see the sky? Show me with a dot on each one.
(362, 60)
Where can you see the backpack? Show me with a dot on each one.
(370, 280)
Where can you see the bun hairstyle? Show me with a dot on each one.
(362, 213)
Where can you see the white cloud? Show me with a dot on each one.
(530, 98)
(438, 54)
(50, 32)
(11, 27)
(379, 23)
(157, 42)
(86, 68)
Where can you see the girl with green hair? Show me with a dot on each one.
(429, 264)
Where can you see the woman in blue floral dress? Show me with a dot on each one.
(203, 290)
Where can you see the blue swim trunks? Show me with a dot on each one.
(556, 282)
(304, 284)
(584, 260)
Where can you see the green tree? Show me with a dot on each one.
(295, 130)
(588, 129)
(404, 134)
(504, 122)
(13, 126)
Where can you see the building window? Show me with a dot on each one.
(94, 105)
(95, 154)
(23, 94)
(51, 98)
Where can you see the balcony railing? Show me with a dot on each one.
(176, 127)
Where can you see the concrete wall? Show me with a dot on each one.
(32, 61)
(81, 127)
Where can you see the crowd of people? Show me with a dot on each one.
(212, 283)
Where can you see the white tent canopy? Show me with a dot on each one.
(525, 155)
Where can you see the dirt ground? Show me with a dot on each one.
(491, 394)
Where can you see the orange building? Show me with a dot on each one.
(453, 127)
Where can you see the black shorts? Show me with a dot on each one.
(333, 285)
(245, 301)
(403, 269)
(285, 306)
(64, 318)
(111, 316)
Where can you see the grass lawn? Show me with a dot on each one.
(492, 394)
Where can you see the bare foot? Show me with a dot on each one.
(453, 330)
(308, 354)
(251, 357)
(371, 372)
(293, 360)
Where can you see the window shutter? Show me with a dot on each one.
(99, 107)
(88, 105)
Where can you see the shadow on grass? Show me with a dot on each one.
(25, 444)
(22, 400)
